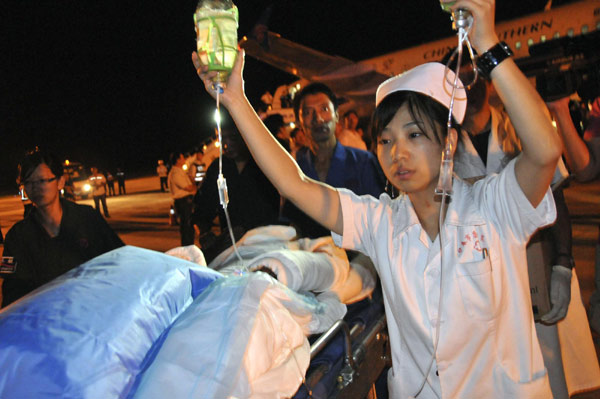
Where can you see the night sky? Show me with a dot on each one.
(110, 83)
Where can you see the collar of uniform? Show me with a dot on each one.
(499, 136)
(467, 162)
(403, 214)
(461, 211)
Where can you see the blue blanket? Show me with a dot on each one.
(88, 333)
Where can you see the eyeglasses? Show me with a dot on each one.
(39, 182)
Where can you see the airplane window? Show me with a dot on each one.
(529, 42)
(518, 45)
(556, 35)
(584, 29)
(570, 32)
(543, 38)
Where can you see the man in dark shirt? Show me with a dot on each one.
(55, 237)
(121, 181)
(325, 159)
(253, 201)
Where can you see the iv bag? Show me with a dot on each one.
(216, 23)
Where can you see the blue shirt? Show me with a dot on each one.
(350, 168)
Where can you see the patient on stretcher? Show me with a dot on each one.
(304, 264)
(138, 323)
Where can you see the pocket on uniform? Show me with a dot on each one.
(476, 288)
(537, 387)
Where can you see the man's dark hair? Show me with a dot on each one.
(313, 88)
(274, 122)
(36, 157)
(197, 149)
(174, 157)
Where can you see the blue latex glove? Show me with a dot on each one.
(560, 294)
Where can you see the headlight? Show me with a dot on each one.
(87, 187)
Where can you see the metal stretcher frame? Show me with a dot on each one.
(364, 354)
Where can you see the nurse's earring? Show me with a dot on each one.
(389, 189)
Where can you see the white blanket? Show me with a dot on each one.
(315, 265)
(269, 353)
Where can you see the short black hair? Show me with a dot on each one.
(314, 88)
(174, 157)
(34, 158)
(274, 122)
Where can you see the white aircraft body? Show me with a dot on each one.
(358, 81)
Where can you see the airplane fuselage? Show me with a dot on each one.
(570, 20)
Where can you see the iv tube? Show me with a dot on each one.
(224, 200)
(464, 24)
(444, 187)
(221, 183)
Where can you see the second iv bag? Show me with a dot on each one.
(216, 23)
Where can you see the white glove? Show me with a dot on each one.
(560, 294)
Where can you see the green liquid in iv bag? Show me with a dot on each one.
(216, 29)
(446, 5)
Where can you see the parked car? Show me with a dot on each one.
(77, 183)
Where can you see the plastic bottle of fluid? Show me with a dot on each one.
(446, 5)
(216, 23)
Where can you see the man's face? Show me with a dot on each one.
(318, 117)
(233, 145)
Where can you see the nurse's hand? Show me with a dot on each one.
(560, 294)
(232, 90)
(483, 34)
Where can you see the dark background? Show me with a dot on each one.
(110, 83)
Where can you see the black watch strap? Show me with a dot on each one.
(487, 61)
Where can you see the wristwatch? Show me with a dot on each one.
(487, 61)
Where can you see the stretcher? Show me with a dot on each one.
(352, 357)
(138, 323)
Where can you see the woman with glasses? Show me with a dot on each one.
(56, 236)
